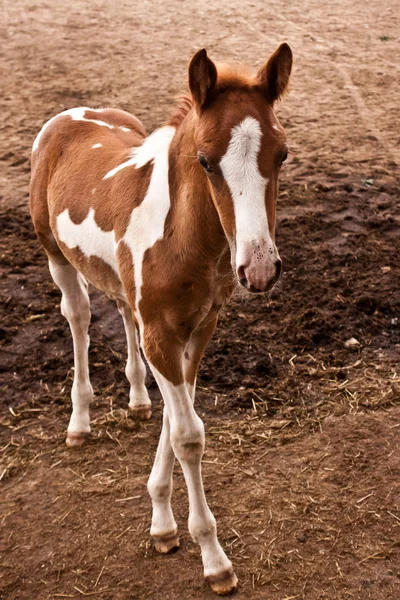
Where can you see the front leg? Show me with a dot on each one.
(194, 352)
(187, 441)
(163, 526)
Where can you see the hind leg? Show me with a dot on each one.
(164, 531)
(139, 401)
(75, 307)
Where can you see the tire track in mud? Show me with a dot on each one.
(362, 109)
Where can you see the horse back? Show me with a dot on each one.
(77, 213)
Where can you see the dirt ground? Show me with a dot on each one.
(300, 392)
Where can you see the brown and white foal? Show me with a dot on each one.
(165, 224)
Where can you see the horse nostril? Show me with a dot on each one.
(242, 275)
(278, 267)
(240, 272)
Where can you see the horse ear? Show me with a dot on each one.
(273, 78)
(202, 77)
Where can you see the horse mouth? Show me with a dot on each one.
(254, 290)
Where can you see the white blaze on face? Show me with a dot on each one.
(255, 249)
(240, 169)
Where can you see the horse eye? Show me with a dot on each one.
(284, 157)
(204, 164)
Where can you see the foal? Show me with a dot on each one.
(165, 223)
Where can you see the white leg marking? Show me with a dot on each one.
(192, 390)
(75, 307)
(88, 236)
(160, 486)
(135, 369)
(187, 440)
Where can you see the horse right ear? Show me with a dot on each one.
(273, 78)
(202, 78)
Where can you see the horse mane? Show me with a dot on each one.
(181, 109)
(229, 77)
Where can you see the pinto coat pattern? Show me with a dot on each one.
(166, 224)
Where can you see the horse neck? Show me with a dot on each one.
(194, 217)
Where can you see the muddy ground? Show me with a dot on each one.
(300, 392)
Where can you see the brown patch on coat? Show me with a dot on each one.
(112, 199)
(40, 212)
(94, 269)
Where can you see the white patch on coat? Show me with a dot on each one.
(76, 114)
(88, 237)
(239, 166)
(141, 155)
(97, 145)
(146, 225)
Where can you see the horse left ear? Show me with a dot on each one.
(273, 78)
(202, 77)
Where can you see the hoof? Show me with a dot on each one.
(223, 584)
(141, 412)
(166, 544)
(76, 439)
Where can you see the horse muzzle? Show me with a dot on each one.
(260, 274)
